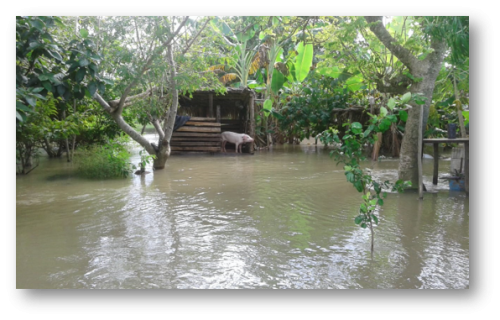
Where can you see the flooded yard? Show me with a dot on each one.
(277, 219)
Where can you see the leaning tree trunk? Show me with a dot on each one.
(427, 70)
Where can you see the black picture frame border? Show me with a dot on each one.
(297, 301)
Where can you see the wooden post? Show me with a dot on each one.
(436, 164)
(217, 114)
(466, 168)
(420, 178)
(252, 119)
(210, 105)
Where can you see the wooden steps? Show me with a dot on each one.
(197, 135)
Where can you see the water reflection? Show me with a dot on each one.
(278, 219)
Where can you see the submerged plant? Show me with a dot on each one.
(351, 154)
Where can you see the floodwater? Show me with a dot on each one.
(278, 219)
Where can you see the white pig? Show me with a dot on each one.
(237, 138)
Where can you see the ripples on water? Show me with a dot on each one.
(279, 219)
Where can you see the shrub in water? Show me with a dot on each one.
(105, 161)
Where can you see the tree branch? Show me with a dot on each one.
(146, 66)
(156, 124)
(103, 103)
(403, 54)
(169, 124)
(196, 36)
(113, 104)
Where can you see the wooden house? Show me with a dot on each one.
(212, 114)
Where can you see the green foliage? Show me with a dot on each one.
(303, 62)
(465, 114)
(67, 68)
(145, 160)
(309, 111)
(105, 161)
(350, 153)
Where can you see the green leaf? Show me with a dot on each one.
(84, 33)
(107, 81)
(363, 225)
(277, 115)
(355, 83)
(21, 106)
(268, 105)
(358, 185)
(374, 217)
(391, 103)
(356, 127)
(403, 115)
(80, 74)
(380, 202)
(101, 87)
(465, 114)
(37, 23)
(359, 219)
(277, 81)
(61, 90)
(83, 63)
(303, 62)
(363, 208)
(20, 116)
(46, 76)
(406, 97)
(383, 111)
(31, 101)
(55, 55)
(92, 87)
(349, 176)
(332, 72)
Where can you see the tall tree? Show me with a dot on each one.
(426, 70)
(151, 71)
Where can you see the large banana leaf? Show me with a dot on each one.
(304, 61)
(277, 81)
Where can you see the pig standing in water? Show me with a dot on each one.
(237, 138)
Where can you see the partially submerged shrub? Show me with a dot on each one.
(105, 161)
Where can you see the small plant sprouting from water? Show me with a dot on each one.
(145, 160)
(351, 154)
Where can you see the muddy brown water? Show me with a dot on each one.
(277, 219)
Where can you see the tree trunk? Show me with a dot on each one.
(115, 108)
(427, 70)
(160, 160)
(459, 108)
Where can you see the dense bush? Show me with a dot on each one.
(309, 111)
(105, 161)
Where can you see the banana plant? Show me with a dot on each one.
(295, 71)
(244, 62)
